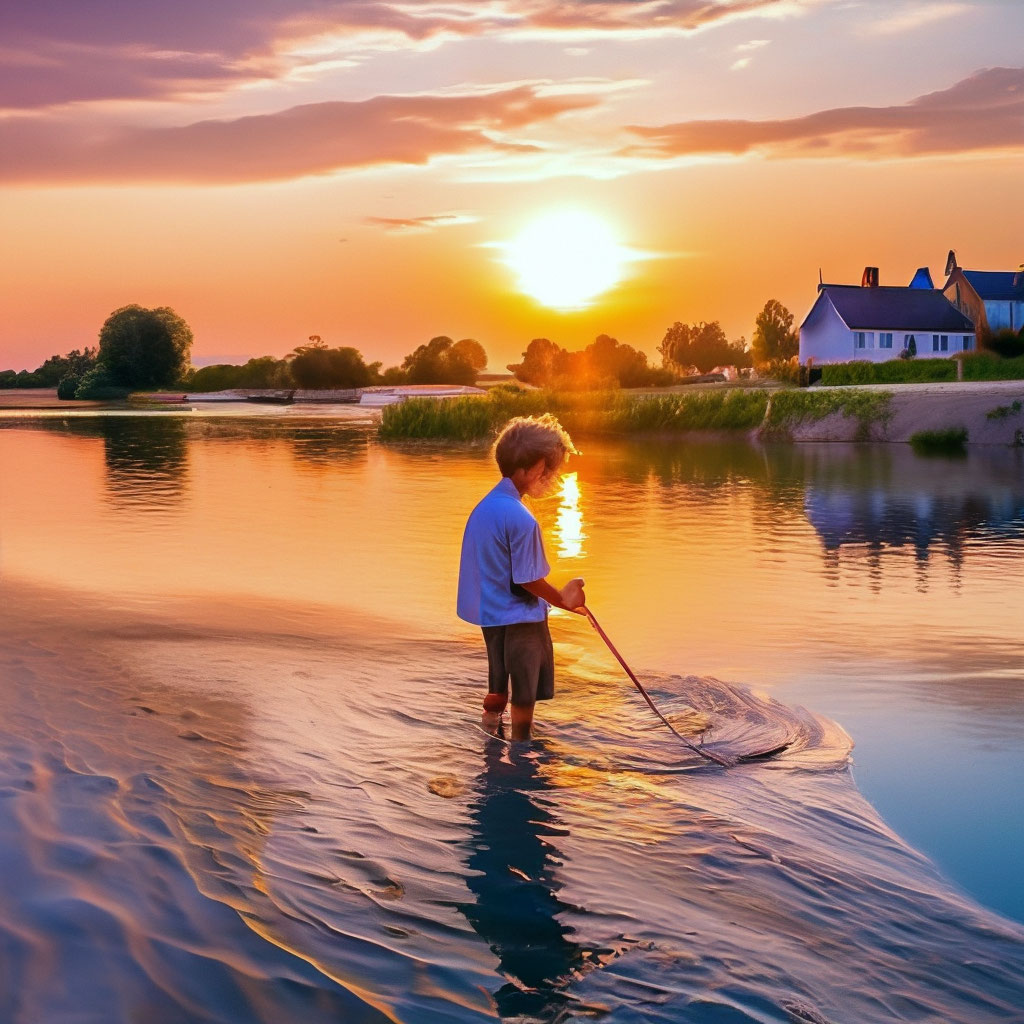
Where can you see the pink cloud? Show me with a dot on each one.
(306, 140)
(63, 51)
(982, 112)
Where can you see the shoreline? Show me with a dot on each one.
(911, 408)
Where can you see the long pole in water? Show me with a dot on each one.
(710, 755)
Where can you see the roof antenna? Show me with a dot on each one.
(820, 280)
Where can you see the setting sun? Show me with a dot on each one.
(566, 258)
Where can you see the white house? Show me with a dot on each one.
(876, 323)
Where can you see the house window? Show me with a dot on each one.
(968, 342)
(864, 339)
(940, 342)
(885, 339)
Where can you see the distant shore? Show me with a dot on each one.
(992, 412)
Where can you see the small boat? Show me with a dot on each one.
(275, 398)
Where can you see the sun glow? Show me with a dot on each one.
(566, 258)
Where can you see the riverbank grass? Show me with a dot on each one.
(476, 418)
(951, 441)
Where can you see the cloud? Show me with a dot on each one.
(427, 223)
(64, 51)
(910, 17)
(979, 113)
(306, 140)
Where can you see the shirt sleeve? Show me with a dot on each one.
(527, 550)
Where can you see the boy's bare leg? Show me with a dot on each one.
(522, 721)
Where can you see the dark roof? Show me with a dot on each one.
(911, 309)
(996, 284)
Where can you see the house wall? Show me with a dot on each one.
(825, 338)
(1004, 314)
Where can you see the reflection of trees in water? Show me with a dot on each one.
(146, 456)
(511, 871)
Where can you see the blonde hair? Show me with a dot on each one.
(526, 439)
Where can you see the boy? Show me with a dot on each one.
(502, 585)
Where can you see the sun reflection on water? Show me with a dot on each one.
(569, 526)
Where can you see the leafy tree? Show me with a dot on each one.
(74, 364)
(470, 351)
(774, 337)
(144, 348)
(442, 361)
(604, 363)
(703, 345)
(539, 364)
(317, 366)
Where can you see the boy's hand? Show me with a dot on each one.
(573, 597)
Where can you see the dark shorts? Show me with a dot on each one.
(523, 654)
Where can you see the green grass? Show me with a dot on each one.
(1000, 412)
(977, 366)
(480, 417)
(951, 441)
(789, 409)
(701, 410)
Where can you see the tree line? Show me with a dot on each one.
(140, 348)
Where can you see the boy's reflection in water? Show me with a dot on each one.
(511, 871)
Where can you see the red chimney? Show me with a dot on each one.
(869, 279)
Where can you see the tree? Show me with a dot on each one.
(702, 344)
(442, 361)
(317, 366)
(539, 362)
(144, 348)
(774, 337)
(470, 351)
(74, 364)
(604, 363)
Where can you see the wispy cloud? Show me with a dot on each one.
(909, 17)
(427, 223)
(306, 140)
(981, 113)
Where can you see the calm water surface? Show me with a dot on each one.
(243, 778)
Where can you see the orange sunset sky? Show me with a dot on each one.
(361, 169)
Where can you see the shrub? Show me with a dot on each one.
(1006, 343)
(951, 441)
(980, 366)
(67, 386)
(98, 384)
(893, 371)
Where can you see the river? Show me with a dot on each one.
(243, 779)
